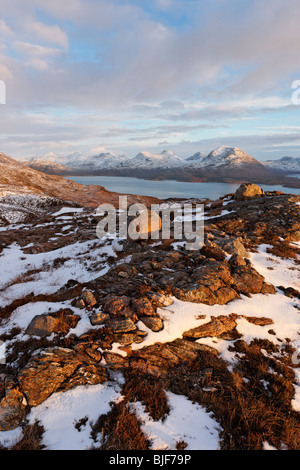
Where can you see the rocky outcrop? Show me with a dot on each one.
(233, 246)
(215, 327)
(159, 359)
(217, 282)
(12, 404)
(60, 322)
(56, 369)
(248, 191)
(218, 326)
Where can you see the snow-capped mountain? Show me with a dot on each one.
(106, 161)
(198, 156)
(226, 157)
(222, 157)
(79, 161)
(166, 159)
(222, 164)
(286, 164)
(102, 160)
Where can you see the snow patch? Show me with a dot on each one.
(187, 421)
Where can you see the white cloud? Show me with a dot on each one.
(5, 29)
(117, 63)
(35, 50)
(5, 73)
(39, 64)
(50, 33)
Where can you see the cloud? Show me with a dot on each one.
(173, 69)
(262, 146)
(29, 49)
(5, 73)
(34, 55)
(5, 29)
(49, 33)
(138, 58)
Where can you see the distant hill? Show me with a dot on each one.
(26, 190)
(224, 164)
(289, 165)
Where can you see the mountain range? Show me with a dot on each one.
(26, 192)
(226, 164)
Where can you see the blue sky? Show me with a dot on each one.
(131, 75)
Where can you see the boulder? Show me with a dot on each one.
(246, 280)
(143, 307)
(233, 246)
(56, 369)
(89, 299)
(12, 405)
(98, 318)
(261, 321)
(115, 304)
(237, 260)
(153, 323)
(58, 322)
(119, 325)
(115, 361)
(248, 191)
(42, 325)
(159, 359)
(216, 327)
(79, 303)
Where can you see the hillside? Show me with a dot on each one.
(114, 344)
(28, 191)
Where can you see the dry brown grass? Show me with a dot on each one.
(252, 404)
(150, 392)
(31, 439)
(284, 250)
(66, 293)
(119, 430)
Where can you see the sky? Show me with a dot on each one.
(124, 76)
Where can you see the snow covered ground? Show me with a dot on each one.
(16, 264)
(187, 421)
(60, 412)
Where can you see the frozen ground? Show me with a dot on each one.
(187, 421)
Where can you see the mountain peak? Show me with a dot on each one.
(198, 156)
(229, 156)
(168, 152)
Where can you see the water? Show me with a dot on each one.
(168, 188)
